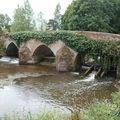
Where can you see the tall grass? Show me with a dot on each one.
(46, 115)
(103, 110)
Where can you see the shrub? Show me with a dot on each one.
(116, 98)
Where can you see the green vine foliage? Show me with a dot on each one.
(107, 50)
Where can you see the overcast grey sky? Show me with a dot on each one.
(46, 6)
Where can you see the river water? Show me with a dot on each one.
(36, 88)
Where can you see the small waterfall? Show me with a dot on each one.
(9, 60)
(91, 77)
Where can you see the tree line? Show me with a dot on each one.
(93, 15)
(83, 15)
(24, 20)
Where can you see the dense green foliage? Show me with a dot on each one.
(78, 42)
(52, 24)
(105, 49)
(23, 18)
(93, 15)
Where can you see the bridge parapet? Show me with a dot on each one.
(99, 35)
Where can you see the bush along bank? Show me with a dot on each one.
(103, 110)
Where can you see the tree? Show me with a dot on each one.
(93, 15)
(52, 24)
(28, 11)
(20, 22)
(23, 18)
(57, 16)
(41, 22)
(4, 22)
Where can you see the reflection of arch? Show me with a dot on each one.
(41, 52)
(12, 50)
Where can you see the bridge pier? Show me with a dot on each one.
(24, 55)
(67, 60)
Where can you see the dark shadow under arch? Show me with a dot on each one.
(42, 52)
(12, 50)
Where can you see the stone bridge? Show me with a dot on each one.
(66, 59)
(34, 52)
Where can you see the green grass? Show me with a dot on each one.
(100, 111)
(103, 110)
(48, 115)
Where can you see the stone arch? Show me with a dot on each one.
(32, 51)
(42, 52)
(12, 50)
(56, 46)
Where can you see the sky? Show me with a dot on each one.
(46, 6)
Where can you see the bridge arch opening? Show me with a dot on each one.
(43, 54)
(12, 50)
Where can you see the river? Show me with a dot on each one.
(36, 88)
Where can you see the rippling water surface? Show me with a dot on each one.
(36, 88)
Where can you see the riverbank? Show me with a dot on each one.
(99, 111)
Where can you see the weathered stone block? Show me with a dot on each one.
(65, 59)
(24, 55)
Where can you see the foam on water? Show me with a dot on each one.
(23, 75)
(91, 77)
(9, 60)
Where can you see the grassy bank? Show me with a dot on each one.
(104, 110)
(49, 115)
(98, 111)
